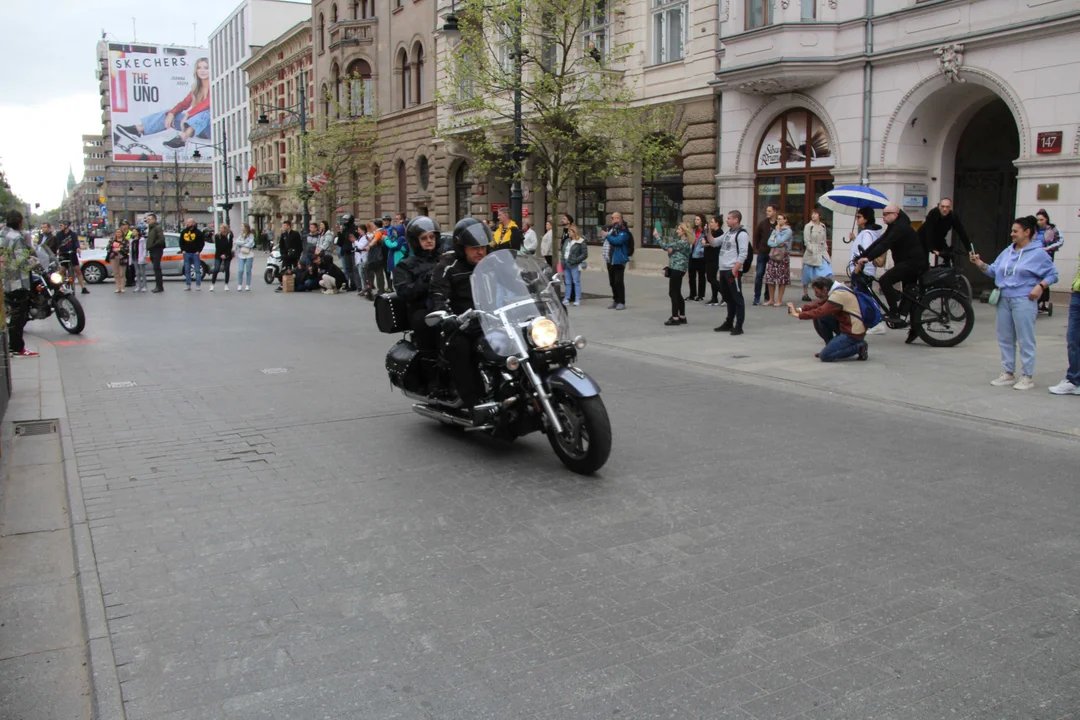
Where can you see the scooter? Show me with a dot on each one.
(272, 273)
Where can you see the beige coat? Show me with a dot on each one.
(816, 240)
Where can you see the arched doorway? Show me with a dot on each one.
(794, 164)
(985, 185)
(462, 193)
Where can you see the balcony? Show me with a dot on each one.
(264, 181)
(352, 33)
(779, 58)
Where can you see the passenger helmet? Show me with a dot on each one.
(418, 227)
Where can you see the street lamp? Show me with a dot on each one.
(298, 111)
(224, 149)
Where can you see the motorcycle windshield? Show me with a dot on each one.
(511, 291)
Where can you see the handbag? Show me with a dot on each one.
(667, 272)
(995, 296)
(778, 254)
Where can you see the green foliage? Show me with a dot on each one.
(578, 117)
(8, 199)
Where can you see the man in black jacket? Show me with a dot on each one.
(291, 246)
(192, 242)
(909, 259)
(939, 221)
(67, 252)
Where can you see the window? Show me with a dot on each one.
(596, 29)
(325, 101)
(406, 78)
(669, 30)
(506, 48)
(809, 8)
(402, 190)
(335, 75)
(376, 179)
(333, 13)
(361, 91)
(418, 68)
(423, 172)
(322, 33)
(758, 13)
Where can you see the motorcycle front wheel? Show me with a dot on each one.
(585, 442)
(70, 315)
(268, 276)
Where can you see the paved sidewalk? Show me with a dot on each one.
(775, 346)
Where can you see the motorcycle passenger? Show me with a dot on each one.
(412, 279)
(451, 291)
(909, 260)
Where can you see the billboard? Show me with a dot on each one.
(160, 101)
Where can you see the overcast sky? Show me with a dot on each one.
(50, 95)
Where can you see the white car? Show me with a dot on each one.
(96, 269)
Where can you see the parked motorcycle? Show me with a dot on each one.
(272, 273)
(526, 360)
(49, 293)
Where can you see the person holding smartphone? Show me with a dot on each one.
(837, 320)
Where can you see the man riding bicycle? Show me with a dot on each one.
(68, 254)
(909, 263)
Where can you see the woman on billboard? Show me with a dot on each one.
(189, 118)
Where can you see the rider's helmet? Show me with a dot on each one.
(346, 219)
(471, 232)
(417, 227)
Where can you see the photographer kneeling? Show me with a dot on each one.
(837, 319)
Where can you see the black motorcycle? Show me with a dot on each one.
(526, 356)
(50, 293)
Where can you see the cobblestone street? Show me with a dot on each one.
(277, 534)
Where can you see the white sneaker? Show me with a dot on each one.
(1065, 388)
(211, 288)
(239, 288)
(1005, 378)
(878, 329)
(1024, 383)
(226, 288)
(247, 288)
(187, 289)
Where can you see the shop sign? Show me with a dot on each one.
(917, 189)
(796, 188)
(914, 201)
(769, 189)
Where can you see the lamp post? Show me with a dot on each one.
(300, 113)
(224, 148)
(149, 206)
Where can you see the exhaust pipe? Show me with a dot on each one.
(443, 417)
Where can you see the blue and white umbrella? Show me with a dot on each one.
(847, 199)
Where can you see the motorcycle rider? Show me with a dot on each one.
(451, 291)
(909, 261)
(68, 253)
(412, 278)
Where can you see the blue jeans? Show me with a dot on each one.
(759, 276)
(838, 345)
(245, 265)
(573, 280)
(1072, 340)
(199, 122)
(192, 260)
(1016, 324)
(348, 266)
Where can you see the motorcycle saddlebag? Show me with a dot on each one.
(391, 315)
(939, 277)
(403, 365)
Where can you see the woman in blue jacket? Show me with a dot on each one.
(397, 249)
(1021, 272)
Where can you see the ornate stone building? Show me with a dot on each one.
(274, 76)
(375, 57)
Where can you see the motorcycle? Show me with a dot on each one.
(50, 293)
(272, 273)
(526, 361)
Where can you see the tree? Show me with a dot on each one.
(577, 117)
(339, 150)
(8, 199)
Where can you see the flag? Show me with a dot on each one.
(251, 173)
(318, 182)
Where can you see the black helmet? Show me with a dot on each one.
(471, 232)
(346, 219)
(417, 227)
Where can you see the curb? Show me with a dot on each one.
(106, 701)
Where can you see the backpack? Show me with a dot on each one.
(377, 255)
(629, 243)
(868, 307)
(749, 255)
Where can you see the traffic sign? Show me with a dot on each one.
(103, 210)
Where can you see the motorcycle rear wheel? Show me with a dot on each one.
(585, 443)
(70, 314)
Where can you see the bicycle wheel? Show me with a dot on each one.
(947, 319)
(964, 286)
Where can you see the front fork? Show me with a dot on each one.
(542, 396)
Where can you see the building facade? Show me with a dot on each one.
(274, 76)
(976, 101)
(252, 24)
(174, 188)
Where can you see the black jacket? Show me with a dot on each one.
(192, 240)
(329, 268)
(223, 245)
(291, 245)
(412, 279)
(51, 241)
(902, 240)
(936, 226)
(451, 284)
(67, 244)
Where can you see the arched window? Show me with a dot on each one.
(333, 13)
(402, 190)
(418, 68)
(355, 9)
(335, 78)
(325, 95)
(361, 89)
(406, 79)
(322, 33)
(423, 172)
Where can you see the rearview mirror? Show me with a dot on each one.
(433, 319)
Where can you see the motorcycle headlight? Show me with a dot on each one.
(56, 278)
(543, 332)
